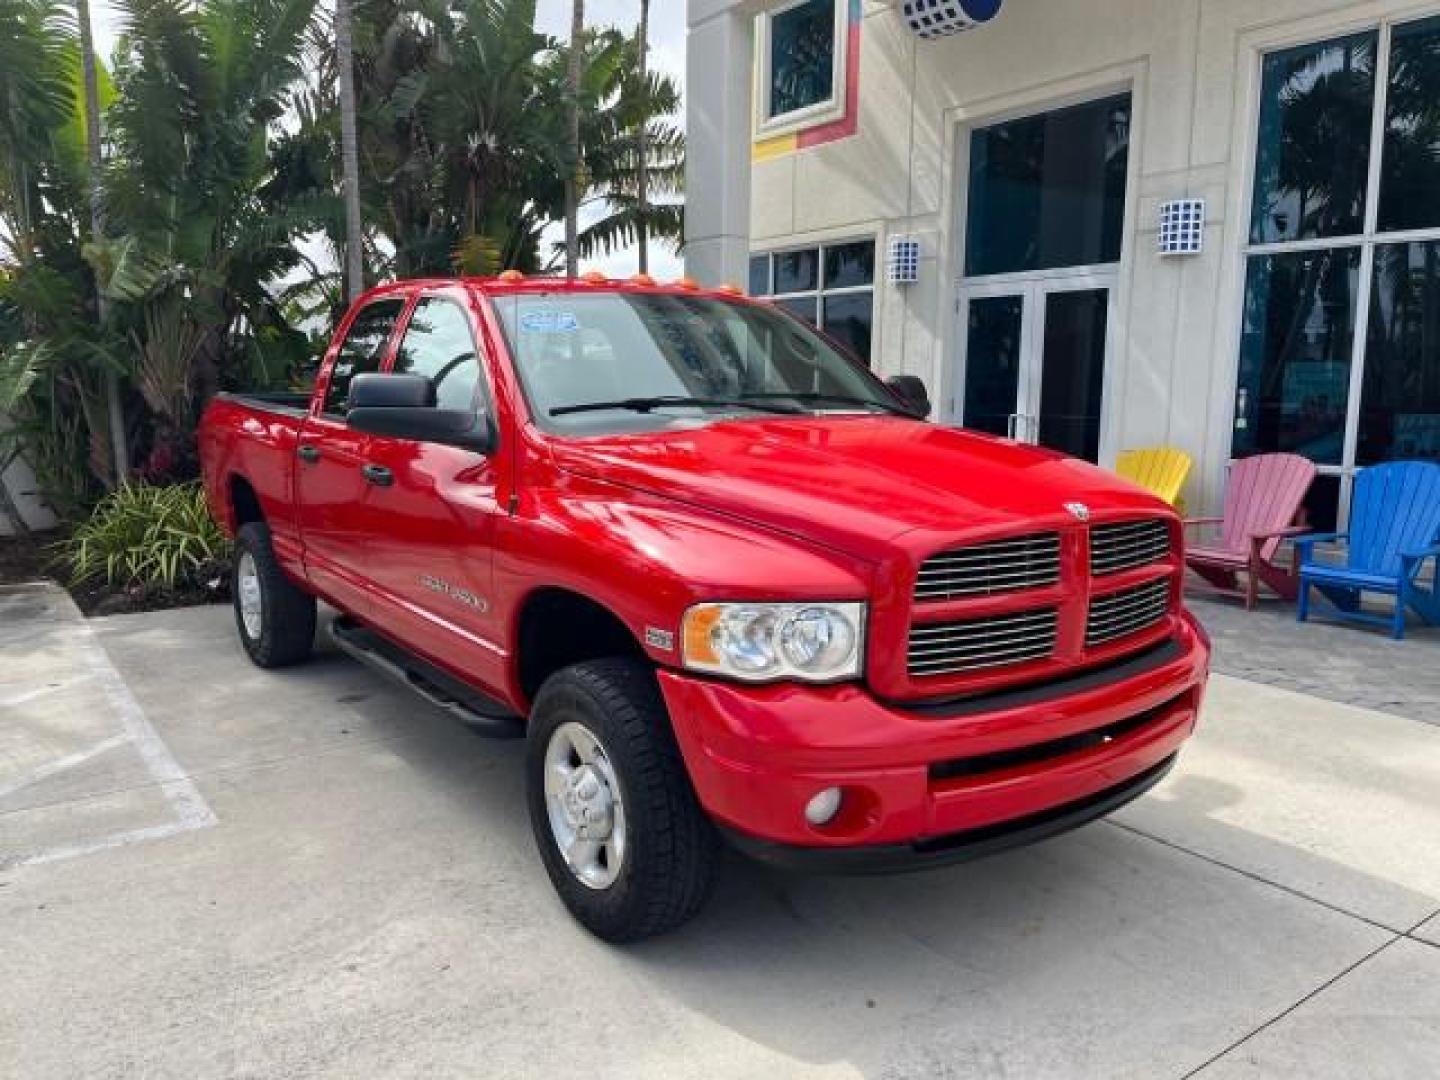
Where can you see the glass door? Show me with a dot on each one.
(1044, 225)
(1071, 375)
(995, 340)
(1034, 360)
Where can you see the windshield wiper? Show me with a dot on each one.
(831, 399)
(673, 401)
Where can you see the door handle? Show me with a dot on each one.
(378, 475)
(308, 454)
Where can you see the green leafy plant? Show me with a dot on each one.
(148, 537)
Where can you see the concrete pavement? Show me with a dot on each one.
(363, 900)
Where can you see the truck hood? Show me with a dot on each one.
(854, 483)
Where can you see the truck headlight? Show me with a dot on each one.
(769, 642)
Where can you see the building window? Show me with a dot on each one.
(830, 286)
(1048, 191)
(1340, 345)
(801, 64)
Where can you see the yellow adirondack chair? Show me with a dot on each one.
(1160, 470)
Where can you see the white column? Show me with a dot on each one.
(719, 58)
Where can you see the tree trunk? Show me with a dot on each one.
(349, 151)
(572, 182)
(114, 408)
(642, 148)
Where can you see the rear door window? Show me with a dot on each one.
(362, 350)
(439, 345)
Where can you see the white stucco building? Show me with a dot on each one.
(1031, 156)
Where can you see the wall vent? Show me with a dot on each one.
(1182, 227)
(902, 262)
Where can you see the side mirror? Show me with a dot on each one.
(376, 391)
(403, 407)
(910, 389)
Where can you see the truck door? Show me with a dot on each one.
(433, 514)
(330, 485)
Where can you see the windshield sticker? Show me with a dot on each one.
(549, 322)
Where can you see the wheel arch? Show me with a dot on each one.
(242, 503)
(559, 626)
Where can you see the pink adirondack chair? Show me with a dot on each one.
(1261, 504)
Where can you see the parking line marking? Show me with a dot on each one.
(189, 806)
(90, 847)
(16, 700)
(69, 761)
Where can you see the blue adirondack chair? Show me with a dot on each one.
(1394, 529)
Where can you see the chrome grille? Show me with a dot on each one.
(1023, 562)
(972, 644)
(1127, 544)
(1126, 612)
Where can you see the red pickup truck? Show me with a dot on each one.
(723, 580)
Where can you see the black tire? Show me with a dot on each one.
(287, 613)
(671, 855)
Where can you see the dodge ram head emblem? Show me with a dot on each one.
(1078, 510)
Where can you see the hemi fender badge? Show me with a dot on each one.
(660, 639)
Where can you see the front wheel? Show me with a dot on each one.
(624, 840)
(275, 618)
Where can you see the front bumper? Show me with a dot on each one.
(936, 782)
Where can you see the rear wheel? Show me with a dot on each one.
(623, 838)
(276, 619)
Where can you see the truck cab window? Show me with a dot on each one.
(438, 344)
(586, 350)
(362, 350)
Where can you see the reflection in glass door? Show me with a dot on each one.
(992, 376)
(1034, 361)
(1072, 364)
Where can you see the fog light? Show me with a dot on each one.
(823, 807)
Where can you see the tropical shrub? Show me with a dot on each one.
(148, 537)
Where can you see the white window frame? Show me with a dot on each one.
(768, 125)
(1367, 240)
(820, 292)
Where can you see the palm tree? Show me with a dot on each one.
(574, 181)
(114, 408)
(35, 100)
(462, 133)
(642, 149)
(200, 232)
(52, 360)
(630, 157)
(349, 149)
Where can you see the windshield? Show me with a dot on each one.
(617, 362)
